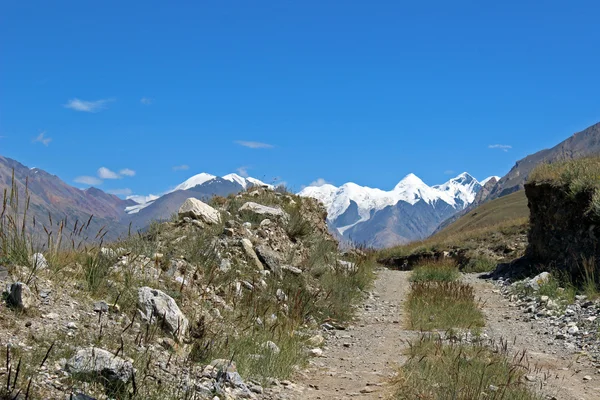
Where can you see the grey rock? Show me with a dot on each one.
(251, 254)
(38, 262)
(158, 307)
(292, 270)
(94, 364)
(198, 210)
(225, 265)
(535, 282)
(259, 209)
(100, 307)
(272, 347)
(20, 296)
(270, 258)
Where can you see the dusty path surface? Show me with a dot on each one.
(560, 371)
(358, 362)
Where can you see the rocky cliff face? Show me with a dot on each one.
(562, 233)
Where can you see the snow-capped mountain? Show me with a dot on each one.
(247, 182)
(353, 210)
(200, 181)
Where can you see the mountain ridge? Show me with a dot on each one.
(352, 209)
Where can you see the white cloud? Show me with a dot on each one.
(88, 180)
(181, 167)
(43, 139)
(146, 101)
(87, 106)
(106, 173)
(319, 182)
(254, 145)
(243, 171)
(127, 172)
(503, 147)
(121, 192)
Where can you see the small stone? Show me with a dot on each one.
(272, 347)
(573, 330)
(316, 340)
(587, 378)
(51, 316)
(316, 352)
(38, 262)
(229, 232)
(101, 307)
(72, 326)
(530, 378)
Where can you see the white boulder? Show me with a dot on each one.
(198, 210)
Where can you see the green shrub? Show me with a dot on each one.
(480, 264)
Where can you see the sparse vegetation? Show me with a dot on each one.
(480, 263)
(459, 371)
(443, 305)
(578, 174)
(233, 310)
(441, 271)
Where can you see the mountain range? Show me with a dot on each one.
(51, 200)
(412, 210)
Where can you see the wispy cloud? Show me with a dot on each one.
(503, 147)
(181, 167)
(43, 139)
(449, 172)
(121, 192)
(88, 180)
(254, 145)
(105, 173)
(88, 106)
(318, 182)
(146, 101)
(243, 171)
(127, 172)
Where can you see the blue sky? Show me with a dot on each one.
(363, 91)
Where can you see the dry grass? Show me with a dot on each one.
(440, 271)
(496, 234)
(326, 291)
(439, 371)
(578, 175)
(443, 305)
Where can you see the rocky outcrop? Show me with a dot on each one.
(198, 210)
(562, 234)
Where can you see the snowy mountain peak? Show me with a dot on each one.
(245, 182)
(194, 181)
(486, 180)
(410, 180)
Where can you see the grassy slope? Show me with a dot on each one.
(489, 225)
(499, 211)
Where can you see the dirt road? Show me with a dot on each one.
(358, 362)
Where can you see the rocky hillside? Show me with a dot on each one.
(226, 301)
